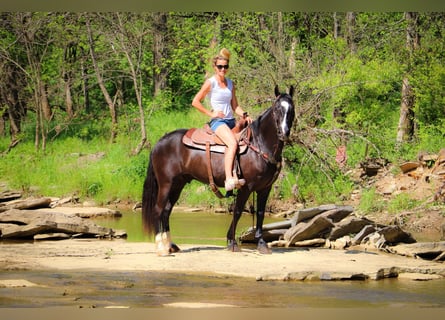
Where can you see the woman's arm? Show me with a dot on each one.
(196, 102)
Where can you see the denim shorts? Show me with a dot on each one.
(216, 122)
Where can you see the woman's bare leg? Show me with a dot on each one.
(226, 135)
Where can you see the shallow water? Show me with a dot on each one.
(186, 227)
(156, 289)
(162, 289)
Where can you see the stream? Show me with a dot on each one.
(89, 289)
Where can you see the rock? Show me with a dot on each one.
(338, 214)
(375, 240)
(395, 234)
(27, 204)
(349, 225)
(271, 232)
(19, 224)
(423, 250)
(309, 213)
(83, 212)
(409, 165)
(419, 276)
(339, 244)
(310, 242)
(9, 195)
(309, 230)
(52, 236)
(268, 235)
(366, 230)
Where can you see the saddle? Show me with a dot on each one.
(205, 139)
(200, 138)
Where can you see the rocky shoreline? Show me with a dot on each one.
(321, 254)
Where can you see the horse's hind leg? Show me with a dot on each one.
(164, 244)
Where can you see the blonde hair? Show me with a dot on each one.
(223, 54)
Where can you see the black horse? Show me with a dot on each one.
(173, 165)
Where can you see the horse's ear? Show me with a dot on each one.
(291, 91)
(277, 91)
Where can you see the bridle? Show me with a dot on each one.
(267, 156)
(280, 134)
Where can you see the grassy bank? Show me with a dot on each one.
(84, 164)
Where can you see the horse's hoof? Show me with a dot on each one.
(263, 248)
(174, 248)
(233, 246)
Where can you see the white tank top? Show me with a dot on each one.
(220, 98)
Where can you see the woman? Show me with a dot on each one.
(221, 92)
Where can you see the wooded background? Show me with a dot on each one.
(372, 81)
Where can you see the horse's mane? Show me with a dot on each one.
(256, 123)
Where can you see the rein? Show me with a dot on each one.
(268, 157)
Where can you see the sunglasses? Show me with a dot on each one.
(220, 66)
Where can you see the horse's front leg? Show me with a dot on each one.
(261, 208)
(241, 198)
(232, 244)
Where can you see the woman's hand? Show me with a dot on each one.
(247, 118)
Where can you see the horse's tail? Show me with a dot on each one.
(149, 196)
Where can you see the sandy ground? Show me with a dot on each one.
(282, 264)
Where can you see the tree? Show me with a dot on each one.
(36, 37)
(12, 83)
(101, 82)
(405, 129)
(131, 33)
(160, 33)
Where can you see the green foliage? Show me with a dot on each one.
(370, 202)
(345, 95)
(401, 202)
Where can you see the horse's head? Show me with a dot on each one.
(284, 112)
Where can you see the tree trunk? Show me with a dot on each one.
(351, 21)
(336, 26)
(85, 84)
(137, 83)
(405, 129)
(46, 107)
(14, 110)
(159, 52)
(69, 58)
(69, 99)
(101, 84)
